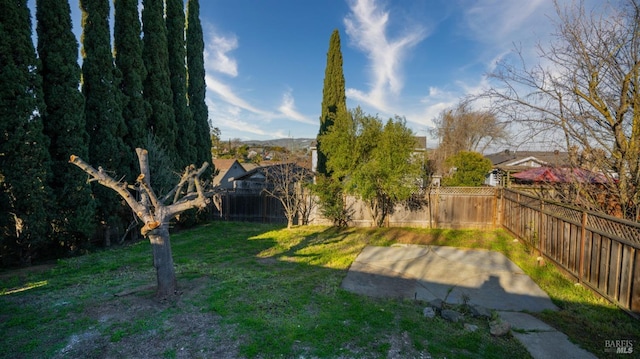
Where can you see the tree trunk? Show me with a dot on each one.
(163, 261)
(375, 212)
(107, 236)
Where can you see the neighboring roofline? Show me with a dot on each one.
(530, 158)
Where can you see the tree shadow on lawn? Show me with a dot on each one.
(330, 321)
(585, 321)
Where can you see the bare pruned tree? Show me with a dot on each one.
(153, 211)
(585, 88)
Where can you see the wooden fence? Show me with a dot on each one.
(443, 207)
(458, 207)
(598, 251)
(464, 207)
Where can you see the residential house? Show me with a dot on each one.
(559, 175)
(226, 170)
(257, 179)
(508, 162)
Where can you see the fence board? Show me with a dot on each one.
(626, 273)
(603, 283)
(635, 287)
(595, 259)
(587, 257)
(564, 248)
(554, 237)
(614, 266)
(574, 251)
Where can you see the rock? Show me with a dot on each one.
(451, 315)
(470, 327)
(429, 312)
(478, 311)
(499, 328)
(436, 303)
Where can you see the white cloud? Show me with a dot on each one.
(431, 107)
(367, 26)
(502, 22)
(228, 95)
(231, 112)
(228, 118)
(217, 51)
(288, 109)
(369, 99)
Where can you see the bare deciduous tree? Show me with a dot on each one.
(153, 212)
(465, 129)
(585, 88)
(284, 182)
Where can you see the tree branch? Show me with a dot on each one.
(145, 176)
(190, 200)
(121, 188)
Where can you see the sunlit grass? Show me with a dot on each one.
(277, 292)
(281, 290)
(25, 287)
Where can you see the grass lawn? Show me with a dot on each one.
(253, 290)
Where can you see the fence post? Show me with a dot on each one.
(437, 206)
(583, 234)
(502, 205)
(494, 218)
(541, 227)
(430, 204)
(519, 218)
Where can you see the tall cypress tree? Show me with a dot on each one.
(64, 123)
(196, 86)
(329, 188)
(24, 159)
(128, 57)
(157, 85)
(186, 137)
(334, 100)
(103, 111)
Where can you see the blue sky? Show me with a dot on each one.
(265, 59)
(412, 58)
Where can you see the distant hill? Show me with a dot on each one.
(290, 143)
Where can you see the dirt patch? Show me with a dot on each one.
(402, 347)
(138, 325)
(24, 272)
(401, 235)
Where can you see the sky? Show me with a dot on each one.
(265, 59)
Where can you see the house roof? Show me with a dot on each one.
(560, 175)
(250, 166)
(223, 164)
(510, 158)
(274, 168)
